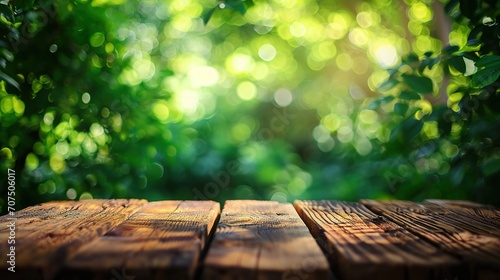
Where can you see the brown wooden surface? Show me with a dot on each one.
(263, 240)
(470, 237)
(362, 245)
(133, 239)
(488, 217)
(163, 240)
(47, 234)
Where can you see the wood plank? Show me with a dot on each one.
(163, 240)
(48, 233)
(455, 233)
(486, 215)
(461, 203)
(362, 245)
(263, 240)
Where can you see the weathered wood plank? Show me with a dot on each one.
(460, 203)
(487, 216)
(46, 234)
(362, 245)
(458, 234)
(163, 240)
(263, 240)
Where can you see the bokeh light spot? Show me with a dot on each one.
(96, 130)
(241, 132)
(364, 19)
(419, 11)
(279, 196)
(86, 98)
(321, 134)
(267, 52)
(344, 61)
(86, 195)
(53, 48)
(97, 39)
(246, 90)
(363, 146)
(161, 111)
(71, 193)
(203, 76)
(239, 63)
(359, 37)
(283, 97)
(31, 161)
(298, 29)
(339, 25)
(386, 56)
(57, 163)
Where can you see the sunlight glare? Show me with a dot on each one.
(386, 56)
(203, 76)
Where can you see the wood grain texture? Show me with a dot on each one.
(460, 203)
(48, 233)
(362, 245)
(487, 216)
(463, 235)
(163, 240)
(263, 240)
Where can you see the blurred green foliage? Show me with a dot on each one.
(264, 99)
(456, 140)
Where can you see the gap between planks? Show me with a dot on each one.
(105, 239)
(362, 245)
(162, 240)
(101, 239)
(263, 240)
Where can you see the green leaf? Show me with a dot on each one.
(237, 5)
(476, 32)
(485, 77)
(407, 130)
(9, 80)
(428, 54)
(418, 83)
(428, 62)
(488, 61)
(458, 63)
(409, 95)
(443, 116)
(387, 85)
(433, 62)
(449, 49)
(376, 103)
(412, 57)
(401, 108)
(8, 55)
(474, 42)
(412, 128)
(208, 15)
(448, 8)
(7, 12)
(471, 55)
(392, 71)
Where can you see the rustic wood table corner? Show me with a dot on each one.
(135, 239)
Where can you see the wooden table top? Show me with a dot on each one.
(135, 239)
